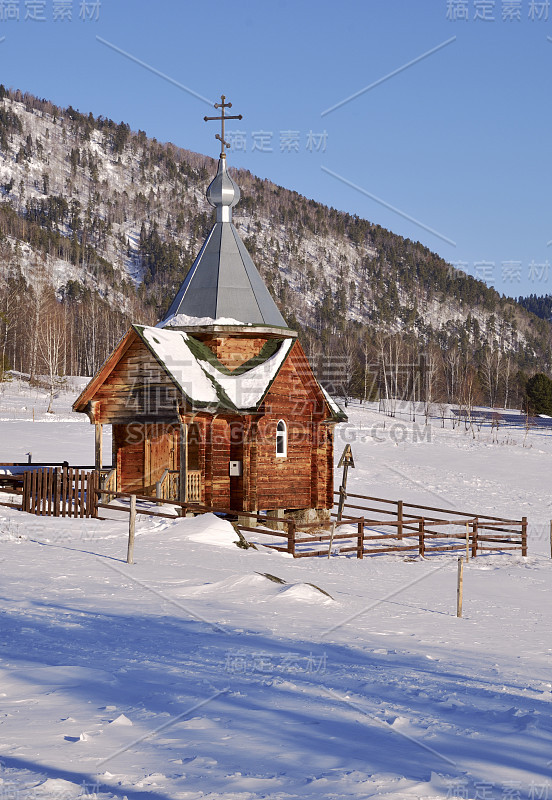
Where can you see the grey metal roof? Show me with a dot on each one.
(223, 280)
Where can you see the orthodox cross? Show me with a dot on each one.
(223, 117)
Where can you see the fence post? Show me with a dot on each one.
(131, 529)
(421, 542)
(332, 533)
(96, 498)
(474, 538)
(291, 537)
(524, 536)
(57, 480)
(25, 501)
(459, 587)
(467, 541)
(360, 542)
(400, 519)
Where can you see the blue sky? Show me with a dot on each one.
(453, 150)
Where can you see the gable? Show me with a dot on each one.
(295, 385)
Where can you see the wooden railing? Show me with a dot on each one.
(194, 486)
(168, 486)
(108, 480)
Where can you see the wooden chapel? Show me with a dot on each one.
(218, 397)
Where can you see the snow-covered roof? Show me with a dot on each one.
(202, 378)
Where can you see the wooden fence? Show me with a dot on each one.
(61, 492)
(487, 531)
(383, 526)
(362, 536)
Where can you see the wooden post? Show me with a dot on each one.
(421, 543)
(459, 587)
(467, 541)
(474, 539)
(360, 542)
(57, 484)
(332, 533)
(345, 461)
(183, 489)
(524, 536)
(400, 519)
(98, 449)
(291, 537)
(26, 505)
(342, 496)
(131, 529)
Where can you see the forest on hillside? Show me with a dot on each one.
(99, 225)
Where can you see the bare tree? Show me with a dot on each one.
(51, 341)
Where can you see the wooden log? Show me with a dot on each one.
(524, 536)
(71, 493)
(282, 534)
(400, 519)
(82, 494)
(33, 491)
(64, 492)
(51, 474)
(498, 549)
(474, 539)
(291, 537)
(183, 489)
(421, 542)
(383, 550)
(431, 508)
(44, 491)
(131, 530)
(26, 504)
(143, 511)
(57, 479)
(98, 446)
(360, 539)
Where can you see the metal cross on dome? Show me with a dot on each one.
(222, 118)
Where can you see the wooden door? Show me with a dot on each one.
(129, 443)
(158, 455)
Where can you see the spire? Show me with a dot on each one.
(223, 194)
(223, 282)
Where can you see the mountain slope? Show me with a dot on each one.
(106, 215)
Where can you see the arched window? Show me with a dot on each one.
(281, 439)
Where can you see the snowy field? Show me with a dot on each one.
(192, 675)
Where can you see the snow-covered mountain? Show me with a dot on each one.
(91, 207)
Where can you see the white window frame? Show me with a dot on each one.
(281, 439)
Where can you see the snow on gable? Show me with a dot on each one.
(246, 390)
(336, 409)
(185, 321)
(203, 379)
(171, 348)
